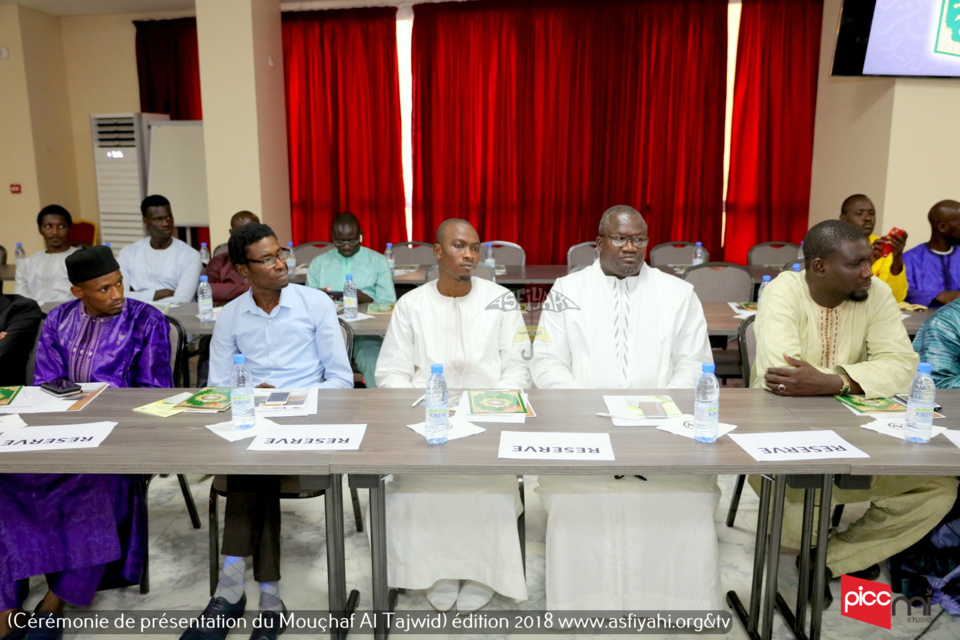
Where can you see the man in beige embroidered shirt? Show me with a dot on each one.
(835, 328)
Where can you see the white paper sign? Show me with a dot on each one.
(8, 423)
(459, 428)
(227, 431)
(555, 446)
(63, 436)
(796, 445)
(952, 436)
(311, 437)
(683, 426)
(360, 316)
(894, 426)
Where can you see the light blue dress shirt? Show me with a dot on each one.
(295, 346)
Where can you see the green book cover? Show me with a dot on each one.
(208, 399)
(872, 406)
(7, 394)
(380, 307)
(493, 402)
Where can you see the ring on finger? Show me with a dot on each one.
(781, 388)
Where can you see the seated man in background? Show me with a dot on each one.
(225, 281)
(20, 319)
(371, 275)
(292, 340)
(833, 329)
(938, 342)
(859, 211)
(43, 276)
(627, 543)
(85, 532)
(160, 267)
(444, 529)
(933, 268)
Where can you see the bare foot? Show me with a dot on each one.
(51, 604)
(8, 620)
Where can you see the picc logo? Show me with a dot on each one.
(873, 602)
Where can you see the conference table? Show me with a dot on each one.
(180, 444)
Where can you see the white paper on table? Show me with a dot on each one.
(36, 400)
(952, 436)
(312, 437)
(894, 426)
(617, 406)
(308, 408)
(743, 314)
(459, 428)
(228, 432)
(463, 412)
(796, 445)
(360, 316)
(555, 446)
(61, 436)
(10, 422)
(904, 316)
(683, 426)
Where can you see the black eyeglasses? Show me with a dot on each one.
(282, 256)
(339, 244)
(621, 241)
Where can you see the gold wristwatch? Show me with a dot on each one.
(847, 383)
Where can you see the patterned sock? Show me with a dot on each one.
(270, 597)
(230, 586)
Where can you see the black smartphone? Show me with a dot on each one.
(62, 388)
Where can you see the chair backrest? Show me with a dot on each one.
(482, 271)
(582, 254)
(672, 253)
(306, 252)
(347, 332)
(83, 232)
(413, 253)
(223, 248)
(32, 358)
(747, 337)
(3, 254)
(720, 282)
(767, 253)
(506, 253)
(178, 343)
(789, 265)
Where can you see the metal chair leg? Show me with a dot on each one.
(837, 514)
(145, 574)
(735, 500)
(214, 541)
(522, 526)
(357, 514)
(188, 498)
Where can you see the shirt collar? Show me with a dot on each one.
(250, 305)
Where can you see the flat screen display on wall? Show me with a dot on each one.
(898, 38)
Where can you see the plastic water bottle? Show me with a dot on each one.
(706, 412)
(349, 299)
(763, 285)
(292, 260)
(205, 299)
(800, 252)
(20, 254)
(437, 420)
(923, 392)
(204, 254)
(241, 394)
(488, 258)
(388, 254)
(699, 254)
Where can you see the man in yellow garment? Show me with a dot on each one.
(859, 211)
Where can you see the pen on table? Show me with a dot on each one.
(418, 401)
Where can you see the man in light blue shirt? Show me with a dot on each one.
(371, 273)
(291, 338)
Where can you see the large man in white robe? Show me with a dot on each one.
(629, 543)
(444, 529)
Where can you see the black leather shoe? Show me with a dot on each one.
(269, 625)
(870, 573)
(42, 632)
(215, 620)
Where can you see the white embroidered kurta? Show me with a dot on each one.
(43, 277)
(146, 270)
(454, 527)
(626, 544)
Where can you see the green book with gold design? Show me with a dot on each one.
(7, 394)
(496, 402)
(209, 399)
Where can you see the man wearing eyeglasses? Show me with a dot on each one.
(371, 274)
(641, 543)
(291, 338)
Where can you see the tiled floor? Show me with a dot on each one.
(178, 564)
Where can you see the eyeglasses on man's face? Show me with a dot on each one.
(619, 241)
(282, 256)
(339, 244)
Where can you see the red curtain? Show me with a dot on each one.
(531, 119)
(774, 103)
(168, 66)
(343, 122)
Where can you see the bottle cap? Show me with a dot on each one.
(708, 367)
(796, 266)
(389, 245)
(289, 244)
(239, 358)
(19, 244)
(436, 368)
(203, 244)
(490, 244)
(106, 244)
(204, 278)
(766, 278)
(924, 367)
(349, 276)
(699, 244)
